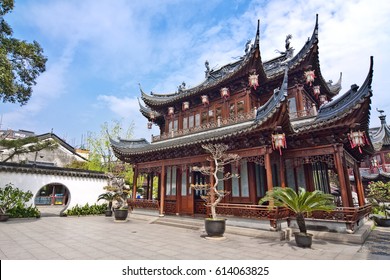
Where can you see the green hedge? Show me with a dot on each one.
(22, 211)
(87, 209)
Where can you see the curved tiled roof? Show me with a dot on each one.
(342, 107)
(127, 148)
(382, 136)
(368, 176)
(272, 104)
(271, 69)
(145, 111)
(53, 170)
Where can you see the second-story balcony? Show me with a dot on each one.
(308, 113)
(240, 118)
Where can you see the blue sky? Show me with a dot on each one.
(99, 51)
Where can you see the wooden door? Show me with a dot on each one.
(186, 195)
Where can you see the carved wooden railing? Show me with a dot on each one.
(206, 126)
(143, 203)
(170, 207)
(200, 207)
(302, 114)
(351, 216)
(260, 212)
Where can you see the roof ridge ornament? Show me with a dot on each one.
(289, 52)
(181, 88)
(248, 46)
(207, 72)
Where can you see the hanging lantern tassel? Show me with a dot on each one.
(254, 80)
(358, 139)
(279, 142)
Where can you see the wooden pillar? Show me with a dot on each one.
(345, 189)
(309, 179)
(299, 98)
(162, 189)
(359, 184)
(347, 182)
(268, 169)
(135, 178)
(383, 160)
(252, 182)
(158, 186)
(150, 197)
(282, 172)
(147, 186)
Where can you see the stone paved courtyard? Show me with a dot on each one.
(101, 238)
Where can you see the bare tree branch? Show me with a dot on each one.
(218, 159)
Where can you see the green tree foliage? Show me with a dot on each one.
(301, 203)
(26, 145)
(379, 196)
(20, 62)
(78, 165)
(13, 202)
(87, 209)
(101, 156)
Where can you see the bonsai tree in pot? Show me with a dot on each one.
(379, 196)
(109, 197)
(119, 191)
(301, 203)
(218, 159)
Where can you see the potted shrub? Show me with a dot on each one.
(10, 198)
(379, 196)
(120, 192)
(219, 157)
(109, 197)
(301, 203)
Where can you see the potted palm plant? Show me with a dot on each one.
(218, 158)
(301, 203)
(109, 197)
(379, 196)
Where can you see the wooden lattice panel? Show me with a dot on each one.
(170, 207)
(144, 203)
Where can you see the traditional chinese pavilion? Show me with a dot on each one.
(280, 115)
(377, 166)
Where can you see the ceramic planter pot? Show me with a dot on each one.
(303, 240)
(382, 221)
(4, 217)
(215, 228)
(121, 214)
(108, 213)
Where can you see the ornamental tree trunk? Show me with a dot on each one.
(301, 222)
(214, 192)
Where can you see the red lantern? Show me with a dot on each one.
(317, 91)
(254, 80)
(185, 106)
(357, 139)
(171, 111)
(205, 100)
(279, 142)
(225, 93)
(323, 99)
(310, 76)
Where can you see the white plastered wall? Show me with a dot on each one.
(82, 189)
